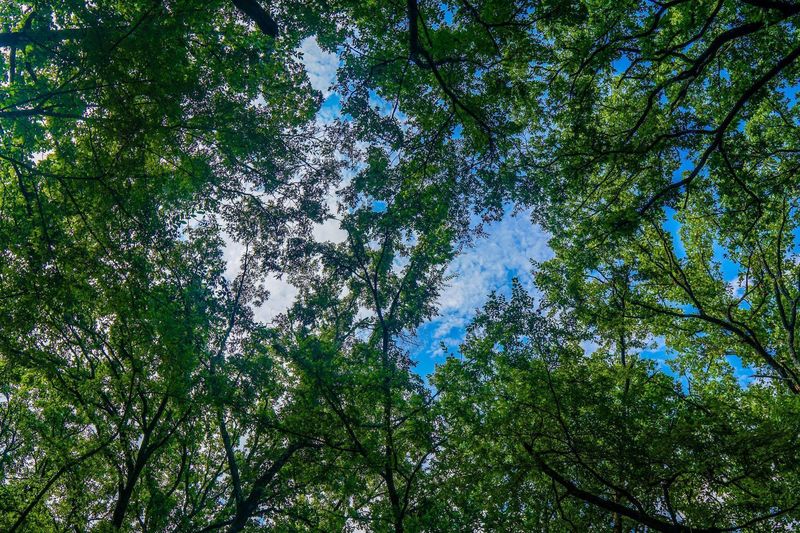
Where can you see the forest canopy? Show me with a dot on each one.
(167, 167)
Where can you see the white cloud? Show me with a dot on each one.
(320, 65)
(589, 347)
(489, 266)
(329, 231)
(281, 293)
(232, 253)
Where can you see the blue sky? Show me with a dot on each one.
(489, 265)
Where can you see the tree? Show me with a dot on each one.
(617, 119)
(688, 129)
(605, 441)
(129, 128)
(652, 140)
(107, 386)
(375, 417)
(634, 120)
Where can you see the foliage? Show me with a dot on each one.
(650, 381)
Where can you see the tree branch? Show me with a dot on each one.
(253, 10)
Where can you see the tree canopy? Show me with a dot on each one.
(648, 378)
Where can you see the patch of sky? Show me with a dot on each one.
(729, 268)
(331, 108)
(321, 66)
(620, 65)
(790, 92)
(671, 224)
(656, 349)
(445, 18)
(673, 227)
(685, 165)
(387, 109)
(589, 346)
(744, 373)
(490, 264)
(794, 216)
(380, 103)
(665, 359)
(447, 14)
(689, 309)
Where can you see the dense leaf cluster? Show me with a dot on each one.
(649, 381)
